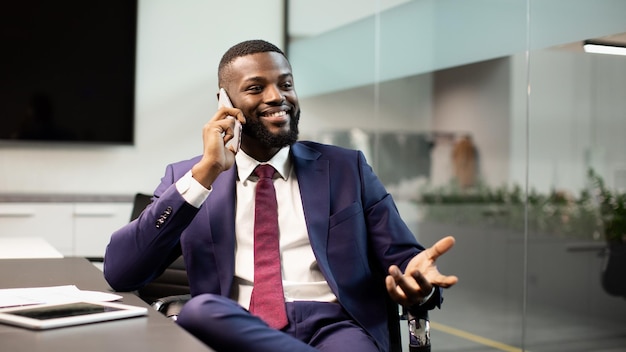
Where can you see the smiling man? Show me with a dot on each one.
(335, 248)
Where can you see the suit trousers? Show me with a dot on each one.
(224, 325)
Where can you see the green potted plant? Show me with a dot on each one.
(611, 207)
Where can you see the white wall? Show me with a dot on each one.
(179, 46)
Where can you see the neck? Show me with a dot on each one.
(256, 150)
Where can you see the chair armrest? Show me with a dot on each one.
(170, 306)
(419, 329)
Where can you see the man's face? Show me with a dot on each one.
(261, 86)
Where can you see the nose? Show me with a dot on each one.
(273, 95)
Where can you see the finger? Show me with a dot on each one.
(445, 281)
(425, 286)
(395, 272)
(240, 117)
(396, 293)
(419, 290)
(411, 287)
(212, 130)
(392, 289)
(397, 276)
(226, 112)
(441, 247)
(229, 129)
(226, 125)
(393, 279)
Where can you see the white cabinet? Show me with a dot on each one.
(74, 229)
(93, 225)
(51, 221)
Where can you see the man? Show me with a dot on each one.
(340, 232)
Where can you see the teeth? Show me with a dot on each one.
(277, 114)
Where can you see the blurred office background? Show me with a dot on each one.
(485, 119)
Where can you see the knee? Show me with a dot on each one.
(214, 320)
(188, 313)
(205, 309)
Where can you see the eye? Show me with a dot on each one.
(255, 89)
(287, 85)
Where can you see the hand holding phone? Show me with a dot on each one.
(234, 143)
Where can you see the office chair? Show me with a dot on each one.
(140, 202)
(169, 292)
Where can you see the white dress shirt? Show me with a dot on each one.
(302, 279)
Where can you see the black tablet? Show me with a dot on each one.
(49, 316)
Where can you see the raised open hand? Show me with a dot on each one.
(421, 275)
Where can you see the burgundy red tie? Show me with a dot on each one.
(268, 299)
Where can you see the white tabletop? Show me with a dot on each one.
(27, 247)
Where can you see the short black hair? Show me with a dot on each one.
(245, 48)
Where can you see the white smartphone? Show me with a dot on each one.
(235, 142)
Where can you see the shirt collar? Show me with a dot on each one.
(280, 161)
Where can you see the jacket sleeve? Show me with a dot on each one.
(389, 236)
(142, 249)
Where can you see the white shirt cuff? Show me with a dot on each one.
(428, 297)
(191, 190)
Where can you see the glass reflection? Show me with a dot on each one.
(499, 130)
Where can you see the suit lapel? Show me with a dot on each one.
(314, 181)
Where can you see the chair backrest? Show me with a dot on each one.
(174, 280)
(140, 202)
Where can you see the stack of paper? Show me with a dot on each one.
(13, 297)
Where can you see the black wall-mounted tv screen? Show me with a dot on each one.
(67, 71)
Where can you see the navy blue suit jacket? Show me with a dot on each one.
(354, 228)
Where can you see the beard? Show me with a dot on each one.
(256, 129)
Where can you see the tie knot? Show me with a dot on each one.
(264, 171)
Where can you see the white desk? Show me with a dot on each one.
(26, 247)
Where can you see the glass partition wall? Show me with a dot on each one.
(486, 120)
